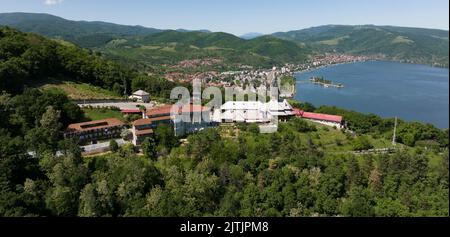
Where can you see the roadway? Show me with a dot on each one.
(120, 105)
(100, 147)
(89, 149)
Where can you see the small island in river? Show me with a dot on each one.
(325, 83)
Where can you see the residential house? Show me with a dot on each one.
(95, 130)
(141, 96)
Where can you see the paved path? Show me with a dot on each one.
(389, 150)
(99, 147)
(89, 149)
(121, 105)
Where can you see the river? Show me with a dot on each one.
(411, 92)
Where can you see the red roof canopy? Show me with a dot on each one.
(166, 110)
(317, 116)
(130, 111)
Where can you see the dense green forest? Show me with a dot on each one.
(416, 45)
(27, 59)
(171, 47)
(83, 33)
(302, 170)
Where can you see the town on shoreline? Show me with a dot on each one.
(248, 78)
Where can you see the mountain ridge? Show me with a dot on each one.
(405, 44)
(409, 44)
(170, 47)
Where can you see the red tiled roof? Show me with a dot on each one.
(317, 116)
(298, 112)
(149, 121)
(159, 118)
(198, 108)
(144, 132)
(193, 108)
(140, 122)
(166, 110)
(130, 111)
(97, 124)
(163, 110)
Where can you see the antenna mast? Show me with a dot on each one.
(394, 137)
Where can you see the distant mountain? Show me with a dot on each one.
(144, 46)
(251, 35)
(415, 45)
(173, 46)
(184, 30)
(83, 33)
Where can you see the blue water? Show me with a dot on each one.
(411, 92)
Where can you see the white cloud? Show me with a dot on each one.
(52, 2)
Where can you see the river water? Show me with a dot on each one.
(411, 92)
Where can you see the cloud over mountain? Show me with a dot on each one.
(52, 2)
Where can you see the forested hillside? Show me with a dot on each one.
(149, 46)
(303, 170)
(82, 33)
(416, 45)
(170, 47)
(26, 59)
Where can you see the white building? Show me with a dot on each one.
(252, 112)
(283, 110)
(241, 111)
(141, 96)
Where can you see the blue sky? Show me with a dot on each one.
(243, 16)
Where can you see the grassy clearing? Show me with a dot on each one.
(80, 91)
(98, 114)
(402, 40)
(435, 160)
(64, 43)
(335, 140)
(330, 139)
(168, 49)
(150, 47)
(218, 48)
(333, 42)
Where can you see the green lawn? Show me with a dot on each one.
(80, 91)
(335, 140)
(335, 41)
(98, 114)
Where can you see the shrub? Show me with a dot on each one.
(362, 143)
(113, 146)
